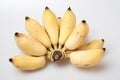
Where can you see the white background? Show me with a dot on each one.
(103, 17)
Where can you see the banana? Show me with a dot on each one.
(51, 25)
(94, 44)
(86, 58)
(28, 62)
(37, 31)
(67, 25)
(29, 45)
(78, 36)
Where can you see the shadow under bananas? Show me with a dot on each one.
(97, 68)
(62, 63)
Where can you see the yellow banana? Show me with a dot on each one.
(28, 62)
(78, 36)
(29, 45)
(37, 31)
(86, 58)
(67, 25)
(94, 44)
(57, 40)
(51, 25)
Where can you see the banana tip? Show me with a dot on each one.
(46, 7)
(26, 18)
(83, 21)
(10, 59)
(104, 49)
(69, 8)
(59, 17)
(16, 33)
(103, 40)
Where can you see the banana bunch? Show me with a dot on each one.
(57, 39)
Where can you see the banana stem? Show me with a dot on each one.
(48, 54)
(68, 52)
(51, 49)
(64, 49)
(67, 55)
(60, 46)
(55, 46)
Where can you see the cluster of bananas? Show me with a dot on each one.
(57, 40)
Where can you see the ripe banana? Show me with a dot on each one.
(29, 45)
(67, 25)
(78, 36)
(94, 44)
(28, 62)
(37, 31)
(51, 26)
(86, 58)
